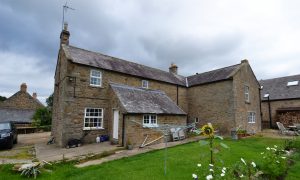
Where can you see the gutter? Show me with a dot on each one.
(259, 93)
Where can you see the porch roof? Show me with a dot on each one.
(142, 101)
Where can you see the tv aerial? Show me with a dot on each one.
(65, 8)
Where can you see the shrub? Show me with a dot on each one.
(42, 117)
(274, 162)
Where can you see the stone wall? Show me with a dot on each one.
(212, 103)
(274, 106)
(57, 130)
(136, 134)
(21, 100)
(243, 77)
(73, 94)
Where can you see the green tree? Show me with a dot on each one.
(49, 101)
(2, 98)
(42, 117)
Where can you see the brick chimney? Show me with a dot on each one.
(173, 68)
(34, 95)
(64, 35)
(23, 87)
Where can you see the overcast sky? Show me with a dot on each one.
(197, 35)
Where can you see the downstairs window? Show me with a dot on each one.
(93, 118)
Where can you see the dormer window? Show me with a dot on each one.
(145, 84)
(96, 78)
(293, 83)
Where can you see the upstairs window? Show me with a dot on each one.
(93, 118)
(149, 120)
(293, 83)
(96, 78)
(247, 95)
(251, 117)
(145, 84)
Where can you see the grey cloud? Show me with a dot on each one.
(193, 53)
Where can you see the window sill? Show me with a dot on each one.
(149, 125)
(247, 102)
(96, 86)
(92, 128)
(251, 122)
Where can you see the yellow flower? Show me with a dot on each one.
(207, 130)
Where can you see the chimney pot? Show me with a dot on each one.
(173, 68)
(64, 35)
(23, 87)
(65, 26)
(34, 95)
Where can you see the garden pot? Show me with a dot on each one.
(130, 147)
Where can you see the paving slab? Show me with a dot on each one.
(54, 153)
(23, 151)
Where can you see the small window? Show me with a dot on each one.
(293, 83)
(149, 120)
(96, 78)
(93, 118)
(251, 117)
(196, 120)
(145, 84)
(247, 95)
(266, 95)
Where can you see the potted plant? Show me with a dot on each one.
(241, 133)
(129, 145)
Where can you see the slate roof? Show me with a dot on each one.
(141, 101)
(16, 115)
(98, 60)
(278, 90)
(212, 76)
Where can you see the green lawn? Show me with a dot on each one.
(181, 163)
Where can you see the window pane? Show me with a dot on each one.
(92, 117)
(95, 78)
(96, 73)
(144, 84)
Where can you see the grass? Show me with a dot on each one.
(24, 152)
(181, 163)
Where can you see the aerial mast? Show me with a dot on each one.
(65, 8)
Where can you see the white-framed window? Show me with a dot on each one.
(95, 78)
(149, 120)
(93, 118)
(251, 117)
(196, 120)
(247, 93)
(145, 84)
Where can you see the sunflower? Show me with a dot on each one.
(207, 130)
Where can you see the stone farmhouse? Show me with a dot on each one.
(96, 94)
(20, 107)
(280, 101)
